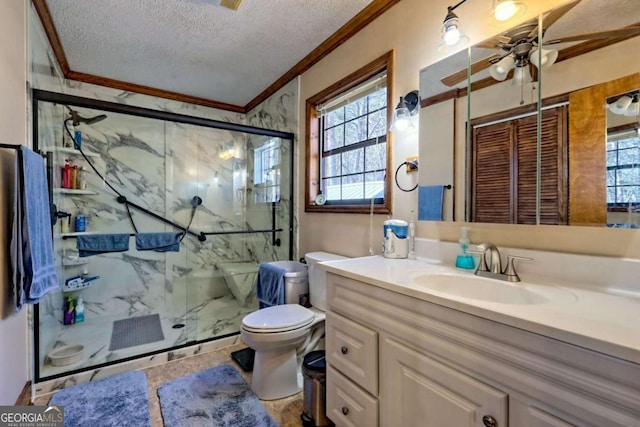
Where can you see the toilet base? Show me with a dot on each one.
(276, 374)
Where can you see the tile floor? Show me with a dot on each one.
(286, 412)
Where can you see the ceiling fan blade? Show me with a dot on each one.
(460, 76)
(554, 15)
(623, 32)
(231, 4)
(495, 42)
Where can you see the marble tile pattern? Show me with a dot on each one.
(286, 412)
(160, 166)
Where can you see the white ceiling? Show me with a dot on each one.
(195, 47)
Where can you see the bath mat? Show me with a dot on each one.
(244, 358)
(117, 401)
(217, 397)
(136, 331)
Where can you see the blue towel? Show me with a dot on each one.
(34, 271)
(159, 242)
(96, 244)
(270, 285)
(430, 200)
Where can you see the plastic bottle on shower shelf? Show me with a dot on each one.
(67, 140)
(74, 176)
(66, 174)
(80, 310)
(82, 178)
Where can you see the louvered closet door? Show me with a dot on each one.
(555, 178)
(492, 189)
(526, 166)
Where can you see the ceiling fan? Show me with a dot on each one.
(519, 48)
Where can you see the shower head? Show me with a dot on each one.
(76, 118)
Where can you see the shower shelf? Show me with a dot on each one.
(70, 151)
(72, 234)
(73, 191)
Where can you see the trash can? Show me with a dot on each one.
(296, 282)
(314, 371)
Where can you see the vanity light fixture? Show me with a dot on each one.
(408, 106)
(452, 37)
(503, 10)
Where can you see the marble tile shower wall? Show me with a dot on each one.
(161, 174)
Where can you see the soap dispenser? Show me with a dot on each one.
(464, 260)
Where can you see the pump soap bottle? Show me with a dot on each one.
(464, 260)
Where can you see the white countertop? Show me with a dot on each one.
(605, 322)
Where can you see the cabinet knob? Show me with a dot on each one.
(489, 421)
(345, 410)
(344, 350)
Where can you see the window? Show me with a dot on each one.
(266, 175)
(623, 168)
(347, 142)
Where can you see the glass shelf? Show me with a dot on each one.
(73, 191)
(70, 151)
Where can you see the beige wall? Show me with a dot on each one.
(14, 360)
(412, 28)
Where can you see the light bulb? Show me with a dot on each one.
(505, 10)
(452, 35)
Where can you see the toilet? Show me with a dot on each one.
(281, 335)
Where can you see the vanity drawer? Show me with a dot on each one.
(347, 404)
(353, 350)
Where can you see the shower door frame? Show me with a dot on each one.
(39, 95)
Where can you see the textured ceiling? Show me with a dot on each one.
(194, 47)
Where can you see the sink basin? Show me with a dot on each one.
(491, 290)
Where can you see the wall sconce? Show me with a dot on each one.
(408, 106)
(452, 37)
(504, 10)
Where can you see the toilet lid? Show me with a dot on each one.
(278, 318)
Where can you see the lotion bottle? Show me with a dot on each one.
(80, 310)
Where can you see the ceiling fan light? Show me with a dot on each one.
(543, 58)
(623, 103)
(500, 70)
(522, 75)
(503, 10)
(633, 109)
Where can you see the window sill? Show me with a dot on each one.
(355, 209)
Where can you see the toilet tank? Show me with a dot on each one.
(318, 278)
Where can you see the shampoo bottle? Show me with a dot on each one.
(80, 310)
(464, 260)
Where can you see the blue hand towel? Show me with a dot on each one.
(34, 271)
(270, 285)
(159, 242)
(430, 200)
(96, 244)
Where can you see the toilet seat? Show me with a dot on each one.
(280, 318)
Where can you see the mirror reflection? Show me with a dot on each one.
(580, 59)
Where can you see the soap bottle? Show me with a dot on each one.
(66, 174)
(412, 238)
(80, 310)
(464, 260)
(69, 311)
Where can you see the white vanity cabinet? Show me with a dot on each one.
(395, 360)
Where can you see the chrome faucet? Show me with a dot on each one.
(493, 266)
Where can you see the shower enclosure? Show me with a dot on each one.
(228, 187)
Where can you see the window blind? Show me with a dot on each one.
(360, 91)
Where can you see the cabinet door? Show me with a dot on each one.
(353, 350)
(538, 418)
(347, 404)
(416, 390)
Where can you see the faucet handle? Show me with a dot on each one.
(510, 269)
(482, 264)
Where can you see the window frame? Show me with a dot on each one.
(619, 206)
(313, 142)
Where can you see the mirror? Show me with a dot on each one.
(494, 166)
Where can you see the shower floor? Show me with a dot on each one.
(215, 318)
